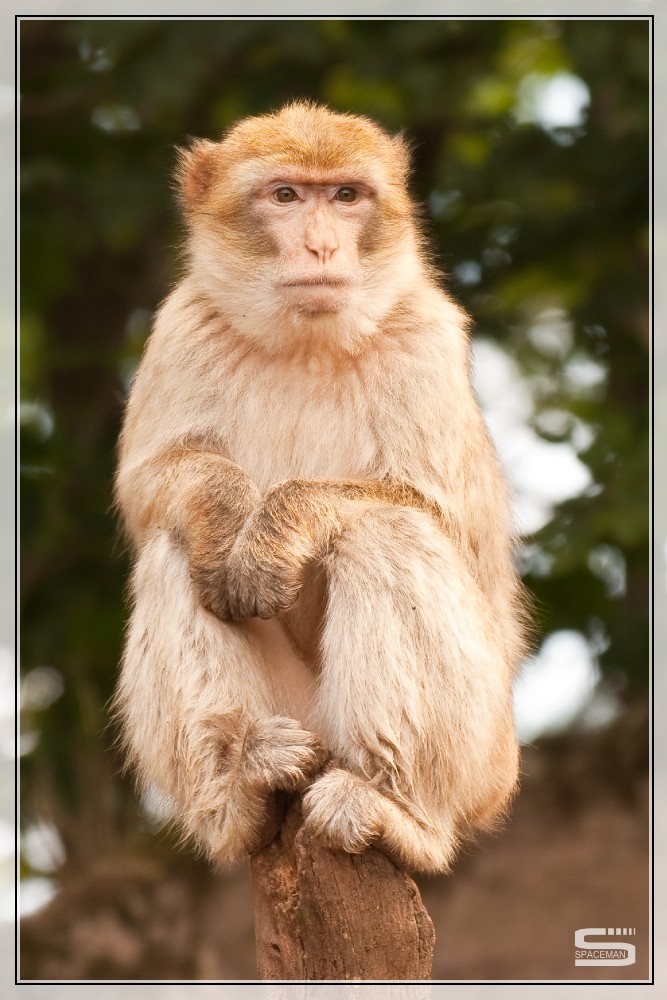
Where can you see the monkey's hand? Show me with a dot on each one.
(263, 574)
(212, 529)
(265, 568)
(259, 583)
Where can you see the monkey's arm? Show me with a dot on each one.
(197, 494)
(296, 523)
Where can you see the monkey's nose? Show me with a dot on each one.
(321, 239)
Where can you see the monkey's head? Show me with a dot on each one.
(301, 227)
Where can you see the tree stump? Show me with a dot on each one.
(326, 914)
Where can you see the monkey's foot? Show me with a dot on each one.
(342, 811)
(276, 753)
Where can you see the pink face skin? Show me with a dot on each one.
(316, 228)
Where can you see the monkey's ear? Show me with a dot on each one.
(195, 171)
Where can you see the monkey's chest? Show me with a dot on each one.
(292, 435)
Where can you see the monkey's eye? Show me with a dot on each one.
(284, 195)
(346, 195)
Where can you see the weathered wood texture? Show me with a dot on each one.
(323, 914)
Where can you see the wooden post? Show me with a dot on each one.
(323, 914)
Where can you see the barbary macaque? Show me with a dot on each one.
(324, 599)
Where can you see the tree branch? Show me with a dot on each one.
(326, 914)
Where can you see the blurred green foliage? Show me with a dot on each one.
(526, 215)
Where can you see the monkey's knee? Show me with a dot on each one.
(397, 562)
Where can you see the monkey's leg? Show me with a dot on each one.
(199, 719)
(414, 694)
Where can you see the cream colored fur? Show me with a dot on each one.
(409, 687)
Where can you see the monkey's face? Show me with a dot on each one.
(301, 229)
(317, 230)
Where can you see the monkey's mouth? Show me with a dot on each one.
(319, 281)
(322, 293)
